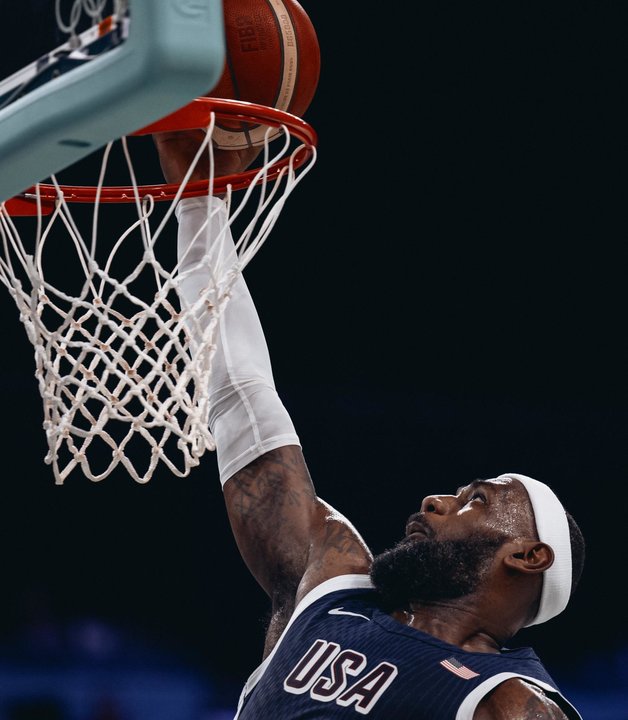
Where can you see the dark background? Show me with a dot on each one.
(444, 299)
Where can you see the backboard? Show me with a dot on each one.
(77, 74)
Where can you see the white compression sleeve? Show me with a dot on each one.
(247, 417)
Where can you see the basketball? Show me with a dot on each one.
(272, 58)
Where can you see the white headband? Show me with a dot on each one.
(553, 529)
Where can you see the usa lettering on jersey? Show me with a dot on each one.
(342, 666)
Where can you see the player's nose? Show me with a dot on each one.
(439, 504)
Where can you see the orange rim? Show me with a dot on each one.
(195, 115)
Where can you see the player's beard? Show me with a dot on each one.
(427, 570)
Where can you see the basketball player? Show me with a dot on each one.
(418, 632)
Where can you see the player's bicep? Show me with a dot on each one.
(336, 549)
(287, 536)
(517, 699)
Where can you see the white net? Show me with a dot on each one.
(120, 381)
(70, 14)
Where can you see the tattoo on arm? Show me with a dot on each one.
(289, 538)
(339, 544)
(261, 486)
(270, 503)
(538, 708)
(520, 699)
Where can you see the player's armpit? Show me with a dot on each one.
(517, 699)
(290, 540)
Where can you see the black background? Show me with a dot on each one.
(444, 299)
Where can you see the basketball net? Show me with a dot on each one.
(122, 365)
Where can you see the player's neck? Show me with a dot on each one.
(464, 627)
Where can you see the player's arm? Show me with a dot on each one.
(289, 538)
(517, 699)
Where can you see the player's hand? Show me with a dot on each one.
(177, 150)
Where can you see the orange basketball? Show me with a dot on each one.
(273, 58)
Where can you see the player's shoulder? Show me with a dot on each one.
(518, 699)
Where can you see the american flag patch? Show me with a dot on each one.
(457, 668)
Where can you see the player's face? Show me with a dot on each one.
(450, 545)
(495, 506)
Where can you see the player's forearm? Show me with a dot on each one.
(247, 418)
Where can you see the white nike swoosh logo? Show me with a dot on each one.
(340, 611)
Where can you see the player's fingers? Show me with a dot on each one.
(229, 162)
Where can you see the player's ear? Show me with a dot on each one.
(529, 556)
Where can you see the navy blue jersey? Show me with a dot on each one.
(341, 656)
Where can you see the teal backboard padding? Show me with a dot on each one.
(174, 53)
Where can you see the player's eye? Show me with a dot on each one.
(478, 496)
